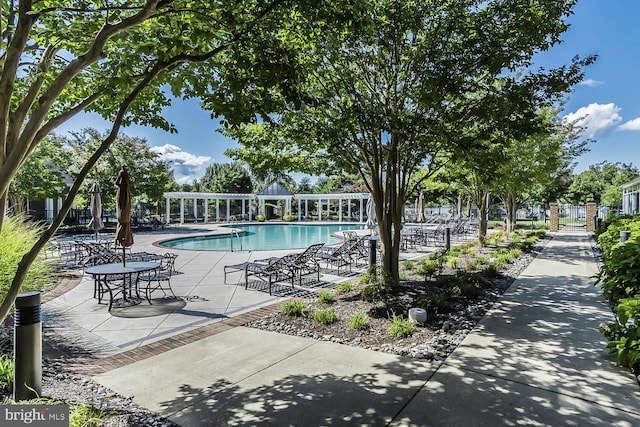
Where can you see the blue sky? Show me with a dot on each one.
(607, 103)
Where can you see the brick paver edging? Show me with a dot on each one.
(87, 365)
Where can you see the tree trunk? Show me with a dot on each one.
(482, 223)
(511, 206)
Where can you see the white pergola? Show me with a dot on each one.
(301, 199)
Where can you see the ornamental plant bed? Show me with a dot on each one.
(455, 300)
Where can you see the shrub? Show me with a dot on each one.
(359, 322)
(482, 260)
(435, 303)
(16, 238)
(623, 334)
(326, 297)
(295, 307)
(374, 292)
(378, 286)
(345, 288)
(515, 253)
(400, 327)
(619, 275)
(85, 415)
(326, 316)
(453, 262)
(493, 269)
(427, 268)
(408, 265)
(260, 218)
(6, 372)
(471, 265)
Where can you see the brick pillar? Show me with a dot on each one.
(592, 213)
(554, 222)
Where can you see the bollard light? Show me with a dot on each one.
(447, 239)
(373, 243)
(624, 236)
(27, 347)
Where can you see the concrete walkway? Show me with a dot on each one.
(535, 359)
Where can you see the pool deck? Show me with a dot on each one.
(535, 358)
(204, 297)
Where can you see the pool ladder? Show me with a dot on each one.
(237, 234)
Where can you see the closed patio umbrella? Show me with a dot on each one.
(420, 208)
(124, 236)
(371, 215)
(96, 223)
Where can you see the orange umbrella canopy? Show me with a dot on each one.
(124, 236)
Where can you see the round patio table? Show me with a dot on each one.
(102, 273)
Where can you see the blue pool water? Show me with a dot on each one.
(264, 237)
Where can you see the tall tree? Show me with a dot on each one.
(404, 92)
(43, 175)
(150, 176)
(532, 162)
(601, 183)
(226, 178)
(59, 58)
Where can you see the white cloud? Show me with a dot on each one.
(591, 82)
(186, 166)
(630, 125)
(594, 118)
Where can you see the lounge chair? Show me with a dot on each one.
(339, 256)
(276, 271)
(305, 263)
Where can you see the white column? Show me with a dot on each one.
(340, 210)
(319, 205)
(243, 208)
(299, 211)
(217, 209)
(168, 211)
(206, 210)
(361, 211)
(306, 207)
(195, 209)
(228, 210)
(181, 210)
(48, 208)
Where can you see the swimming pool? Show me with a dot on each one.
(264, 237)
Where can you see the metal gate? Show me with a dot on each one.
(572, 218)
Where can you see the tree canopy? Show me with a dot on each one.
(601, 183)
(406, 90)
(226, 178)
(124, 60)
